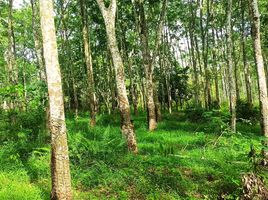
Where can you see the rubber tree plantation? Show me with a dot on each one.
(133, 99)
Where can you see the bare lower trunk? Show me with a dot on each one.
(127, 126)
(60, 170)
(260, 66)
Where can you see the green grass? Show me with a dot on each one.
(180, 160)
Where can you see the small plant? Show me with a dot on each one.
(254, 183)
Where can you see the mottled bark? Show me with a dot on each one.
(88, 59)
(260, 65)
(127, 126)
(231, 74)
(60, 170)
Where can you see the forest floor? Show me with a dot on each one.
(180, 160)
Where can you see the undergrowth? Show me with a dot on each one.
(184, 158)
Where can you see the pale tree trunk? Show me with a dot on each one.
(133, 86)
(215, 66)
(236, 71)
(244, 54)
(88, 58)
(204, 37)
(194, 60)
(127, 127)
(260, 65)
(215, 56)
(60, 170)
(37, 40)
(231, 75)
(158, 39)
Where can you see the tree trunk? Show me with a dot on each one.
(148, 60)
(66, 48)
(88, 58)
(60, 170)
(204, 34)
(244, 52)
(151, 114)
(231, 75)
(194, 63)
(11, 53)
(260, 65)
(37, 40)
(127, 126)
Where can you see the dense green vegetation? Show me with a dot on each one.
(185, 158)
(133, 99)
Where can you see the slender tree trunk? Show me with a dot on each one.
(38, 40)
(148, 60)
(194, 63)
(60, 170)
(87, 52)
(133, 86)
(231, 75)
(11, 53)
(127, 126)
(244, 53)
(236, 71)
(260, 65)
(151, 115)
(204, 34)
(66, 47)
(215, 67)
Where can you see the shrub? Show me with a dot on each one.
(246, 112)
(214, 120)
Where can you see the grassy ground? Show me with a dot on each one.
(181, 160)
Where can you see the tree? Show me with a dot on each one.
(231, 77)
(11, 52)
(244, 52)
(256, 36)
(37, 40)
(149, 59)
(60, 170)
(127, 126)
(88, 59)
